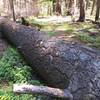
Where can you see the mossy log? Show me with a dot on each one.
(61, 64)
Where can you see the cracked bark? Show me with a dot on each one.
(61, 64)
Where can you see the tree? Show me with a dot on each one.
(53, 2)
(97, 10)
(58, 7)
(11, 2)
(82, 10)
(87, 4)
(61, 64)
(94, 2)
(72, 8)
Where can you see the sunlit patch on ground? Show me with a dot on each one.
(62, 27)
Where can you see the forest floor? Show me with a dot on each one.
(62, 27)
(86, 33)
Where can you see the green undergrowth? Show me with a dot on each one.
(51, 33)
(89, 40)
(85, 38)
(13, 69)
(80, 30)
(72, 29)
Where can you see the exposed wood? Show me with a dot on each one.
(43, 90)
(59, 63)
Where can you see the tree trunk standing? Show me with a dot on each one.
(93, 5)
(66, 4)
(53, 5)
(66, 7)
(97, 10)
(12, 9)
(61, 64)
(73, 9)
(58, 7)
(49, 11)
(82, 10)
(69, 7)
(87, 4)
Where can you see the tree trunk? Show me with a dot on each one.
(73, 9)
(97, 10)
(61, 64)
(12, 9)
(82, 10)
(53, 5)
(93, 5)
(87, 4)
(58, 7)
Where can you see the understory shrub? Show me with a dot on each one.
(13, 69)
(85, 38)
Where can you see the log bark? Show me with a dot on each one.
(61, 64)
(44, 90)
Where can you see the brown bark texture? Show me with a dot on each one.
(12, 9)
(93, 5)
(58, 7)
(97, 10)
(82, 10)
(61, 64)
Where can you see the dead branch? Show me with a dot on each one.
(43, 90)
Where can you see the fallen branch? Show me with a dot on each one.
(44, 90)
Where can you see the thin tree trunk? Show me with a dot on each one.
(87, 4)
(93, 5)
(58, 7)
(53, 5)
(73, 9)
(66, 4)
(12, 9)
(82, 10)
(97, 10)
(59, 63)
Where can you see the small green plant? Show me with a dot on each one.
(51, 33)
(13, 68)
(98, 40)
(69, 31)
(11, 96)
(85, 38)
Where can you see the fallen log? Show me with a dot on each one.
(61, 64)
(44, 90)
